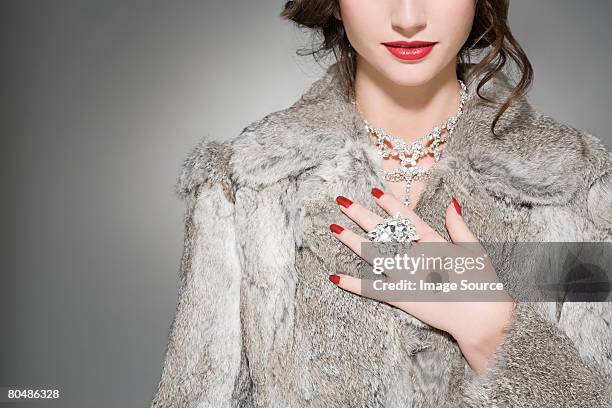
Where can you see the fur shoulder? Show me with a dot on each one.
(281, 144)
(207, 163)
(536, 160)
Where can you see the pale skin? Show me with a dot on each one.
(406, 98)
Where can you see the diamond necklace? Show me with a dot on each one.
(409, 153)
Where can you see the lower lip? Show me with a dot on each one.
(410, 54)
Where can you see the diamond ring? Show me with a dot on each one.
(395, 229)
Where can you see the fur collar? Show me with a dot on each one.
(536, 161)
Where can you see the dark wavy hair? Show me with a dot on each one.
(490, 32)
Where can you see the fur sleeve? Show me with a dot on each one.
(545, 363)
(538, 365)
(203, 365)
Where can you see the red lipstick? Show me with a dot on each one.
(410, 50)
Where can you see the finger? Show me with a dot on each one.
(355, 242)
(392, 206)
(458, 230)
(347, 283)
(433, 313)
(361, 287)
(365, 218)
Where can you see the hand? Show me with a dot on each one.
(478, 327)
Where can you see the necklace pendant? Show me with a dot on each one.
(407, 193)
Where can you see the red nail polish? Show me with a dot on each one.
(335, 228)
(343, 201)
(335, 279)
(456, 204)
(377, 192)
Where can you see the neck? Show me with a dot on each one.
(406, 112)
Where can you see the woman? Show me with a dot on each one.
(258, 322)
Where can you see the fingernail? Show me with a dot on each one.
(335, 279)
(335, 228)
(343, 201)
(457, 207)
(377, 192)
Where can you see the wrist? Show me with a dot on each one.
(481, 341)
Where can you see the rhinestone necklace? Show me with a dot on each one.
(409, 153)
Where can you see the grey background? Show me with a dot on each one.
(100, 103)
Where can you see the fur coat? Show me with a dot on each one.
(258, 324)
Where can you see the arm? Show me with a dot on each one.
(203, 365)
(564, 364)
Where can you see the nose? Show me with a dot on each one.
(409, 16)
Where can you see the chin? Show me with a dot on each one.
(404, 74)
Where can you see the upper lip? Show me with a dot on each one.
(411, 44)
